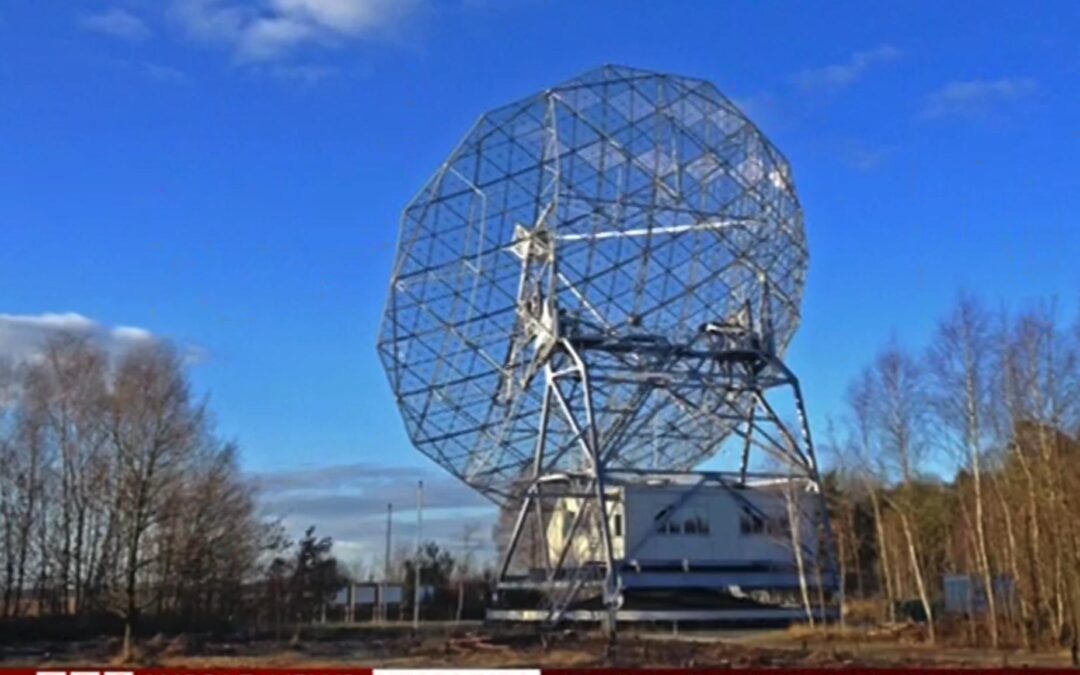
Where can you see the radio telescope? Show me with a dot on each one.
(601, 278)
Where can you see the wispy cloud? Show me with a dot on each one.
(140, 67)
(273, 29)
(161, 73)
(23, 335)
(974, 99)
(863, 156)
(336, 476)
(839, 75)
(304, 73)
(116, 22)
(766, 109)
(348, 502)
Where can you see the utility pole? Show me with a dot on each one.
(419, 554)
(386, 564)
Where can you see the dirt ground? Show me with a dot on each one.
(476, 647)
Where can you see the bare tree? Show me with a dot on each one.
(10, 492)
(793, 536)
(861, 395)
(959, 358)
(67, 389)
(1039, 382)
(155, 428)
(25, 464)
(898, 414)
(115, 493)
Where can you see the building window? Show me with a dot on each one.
(618, 525)
(665, 524)
(696, 523)
(567, 522)
(751, 523)
(690, 521)
(779, 527)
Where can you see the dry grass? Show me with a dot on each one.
(794, 648)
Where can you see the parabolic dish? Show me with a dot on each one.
(667, 209)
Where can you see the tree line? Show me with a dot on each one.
(118, 498)
(964, 457)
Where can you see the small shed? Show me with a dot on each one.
(966, 593)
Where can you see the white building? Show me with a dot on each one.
(690, 550)
(722, 536)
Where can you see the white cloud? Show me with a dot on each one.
(863, 156)
(164, 73)
(307, 74)
(348, 502)
(344, 15)
(271, 29)
(22, 335)
(148, 69)
(131, 333)
(768, 111)
(117, 23)
(975, 98)
(840, 75)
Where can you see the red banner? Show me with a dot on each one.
(449, 670)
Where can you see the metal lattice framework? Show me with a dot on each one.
(625, 222)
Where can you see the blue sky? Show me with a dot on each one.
(228, 174)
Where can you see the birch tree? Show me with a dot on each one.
(898, 413)
(959, 358)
